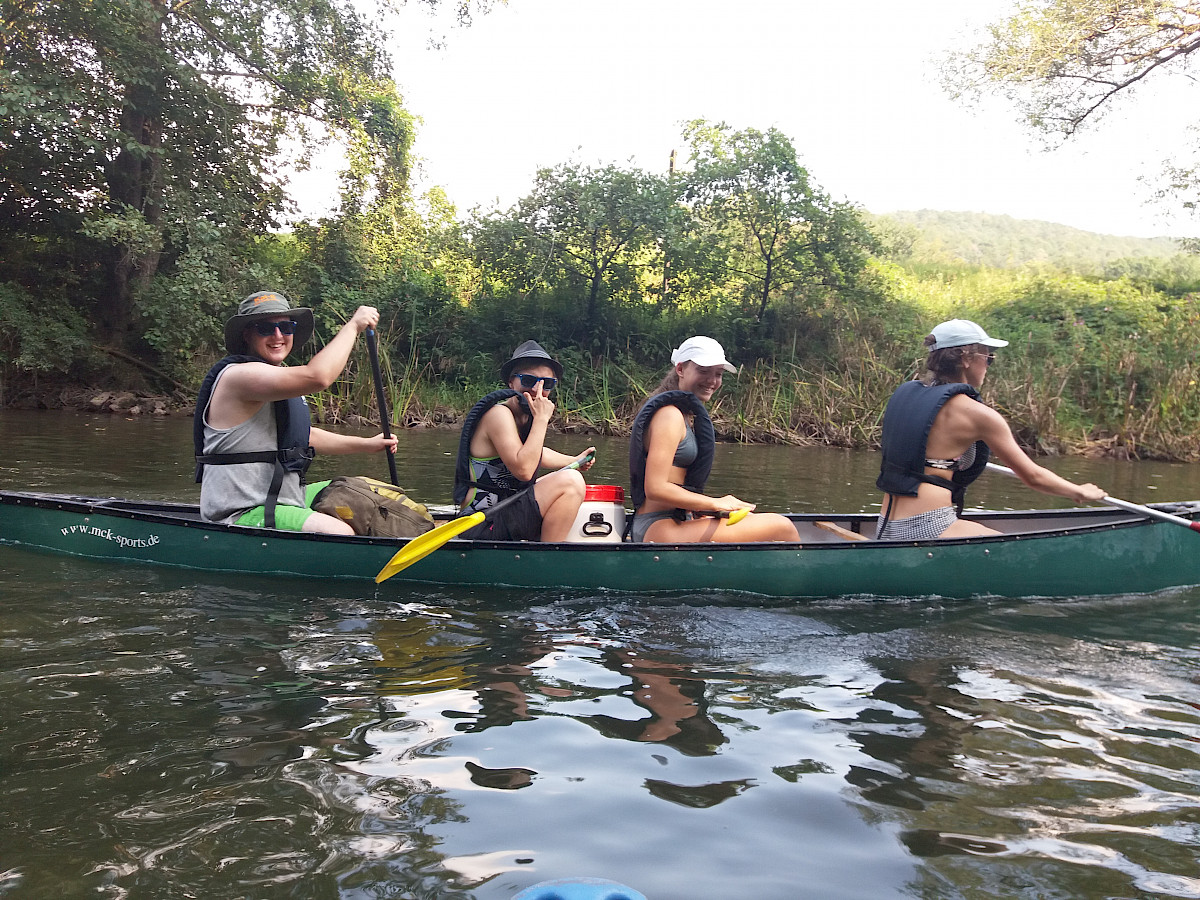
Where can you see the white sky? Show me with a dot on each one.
(853, 84)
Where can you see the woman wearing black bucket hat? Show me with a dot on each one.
(502, 447)
(253, 435)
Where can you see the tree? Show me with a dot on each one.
(781, 231)
(595, 226)
(125, 122)
(1063, 62)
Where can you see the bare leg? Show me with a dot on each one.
(319, 523)
(963, 528)
(755, 527)
(559, 496)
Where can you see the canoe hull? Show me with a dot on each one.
(1071, 553)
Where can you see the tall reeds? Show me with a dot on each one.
(1092, 367)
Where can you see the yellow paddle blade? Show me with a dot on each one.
(737, 515)
(420, 547)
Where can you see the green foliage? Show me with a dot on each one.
(128, 125)
(783, 236)
(592, 231)
(941, 239)
(1063, 63)
(140, 244)
(36, 336)
(182, 307)
(1063, 60)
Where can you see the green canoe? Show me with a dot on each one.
(1048, 553)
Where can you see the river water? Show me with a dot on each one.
(172, 734)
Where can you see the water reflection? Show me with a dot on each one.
(468, 748)
(172, 734)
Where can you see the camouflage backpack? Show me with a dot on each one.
(373, 508)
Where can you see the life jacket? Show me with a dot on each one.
(506, 484)
(292, 426)
(706, 442)
(907, 421)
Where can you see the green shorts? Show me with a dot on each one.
(287, 518)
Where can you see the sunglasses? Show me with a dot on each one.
(990, 357)
(528, 381)
(266, 329)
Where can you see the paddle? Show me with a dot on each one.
(373, 350)
(420, 547)
(1123, 504)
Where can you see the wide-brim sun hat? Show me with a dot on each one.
(703, 351)
(531, 353)
(266, 305)
(960, 333)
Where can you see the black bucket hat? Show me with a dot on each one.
(532, 352)
(265, 305)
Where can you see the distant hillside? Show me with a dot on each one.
(1004, 242)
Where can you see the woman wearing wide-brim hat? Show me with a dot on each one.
(938, 435)
(254, 438)
(260, 307)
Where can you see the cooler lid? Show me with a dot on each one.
(604, 493)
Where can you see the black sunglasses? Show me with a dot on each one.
(990, 357)
(266, 329)
(528, 381)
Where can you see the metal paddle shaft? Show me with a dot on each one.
(420, 547)
(381, 401)
(1123, 504)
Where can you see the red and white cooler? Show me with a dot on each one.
(601, 517)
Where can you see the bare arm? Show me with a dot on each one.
(663, 434)
(499, 428)
(330, 442)
(257, 383)
(552, 459)
(998, 436)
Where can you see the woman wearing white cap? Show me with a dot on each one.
(671, 453)
(937, 434)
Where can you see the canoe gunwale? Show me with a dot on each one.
(187, 515)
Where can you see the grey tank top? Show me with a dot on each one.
(688, 449)
(228, 491)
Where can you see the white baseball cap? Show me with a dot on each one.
(959, 333)
(703, 351)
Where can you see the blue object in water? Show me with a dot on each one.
(579, 889)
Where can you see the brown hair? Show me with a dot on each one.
(945, 366)
(670, 382)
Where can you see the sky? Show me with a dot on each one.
(854, 85)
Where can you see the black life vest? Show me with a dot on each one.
(507, 484)
(292, 427)
(907, 421)
(706, 442)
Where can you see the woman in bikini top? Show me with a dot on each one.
(960, 352)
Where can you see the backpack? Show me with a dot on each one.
(373, 508)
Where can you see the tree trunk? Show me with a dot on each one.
(135, 181)
(593, 296)
(768, 275)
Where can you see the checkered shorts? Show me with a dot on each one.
(922, 527)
